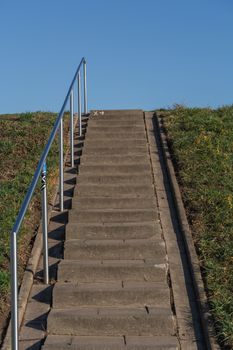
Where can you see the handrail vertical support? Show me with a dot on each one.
(61, 175)
(14, 292)
(85, 85)
(72, 128)
(45, 224)
(79, 104)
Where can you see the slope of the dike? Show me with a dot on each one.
(119, 269)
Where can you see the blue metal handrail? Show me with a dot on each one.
(41, 171)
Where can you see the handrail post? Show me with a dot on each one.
(85, 85)
(72, 128)
(14, 291)
(61, 192)
(79, 104)
(45, 224)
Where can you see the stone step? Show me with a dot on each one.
(113, 231)
(61, 342)
(81, 203)
(123, 113)
(114, 179)
(114, 122)
(115, 191)
(117, 118)
(109, 321)
(111, 271)
(90, 159)
(101, 143)
(125, 151)
(133, 169)
(131, 294)
(79, 249)
(124, 135)
(112, 215)
(117, 129)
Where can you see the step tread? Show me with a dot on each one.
(115, 249)
(115, 144)
(116, 242)
(136, 151)
(68, 295)
(141, 169)
(115, 191)
(113, 215)
(111, 321)
(114, 159)
(117, 211)
(116, 123)
(119, 128)
(112, 270)
(113, 179)
(62, 342)
(113, 231)
(112, 311)
(80, 203)
(115, 136)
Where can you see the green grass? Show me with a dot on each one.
(23, 137)
(201, 142)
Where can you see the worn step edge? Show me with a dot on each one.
(111, 321)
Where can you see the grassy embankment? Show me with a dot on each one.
(23, 137)
(201, 142)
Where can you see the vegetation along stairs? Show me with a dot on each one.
(113, 286)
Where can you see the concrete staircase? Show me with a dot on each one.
(112, 290)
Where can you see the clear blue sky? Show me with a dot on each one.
(141, 53)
